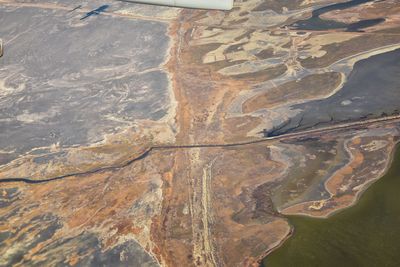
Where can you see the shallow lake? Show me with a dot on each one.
(316, 23)
(376, 75)
(366, 234)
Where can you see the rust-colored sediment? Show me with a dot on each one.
(208, 206)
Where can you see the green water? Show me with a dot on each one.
(367, 234)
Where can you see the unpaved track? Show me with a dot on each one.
(288, 136)
(208, 247)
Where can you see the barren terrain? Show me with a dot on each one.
(157, 136)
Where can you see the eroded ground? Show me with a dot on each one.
(127, 136)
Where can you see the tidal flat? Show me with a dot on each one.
(357, 98)
(134, 135)
(365, 234)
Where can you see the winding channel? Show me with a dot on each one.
(315, 23)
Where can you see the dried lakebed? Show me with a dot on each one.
(173, 169)
(101, 86)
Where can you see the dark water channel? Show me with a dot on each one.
(315, 23)
(372, 90)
